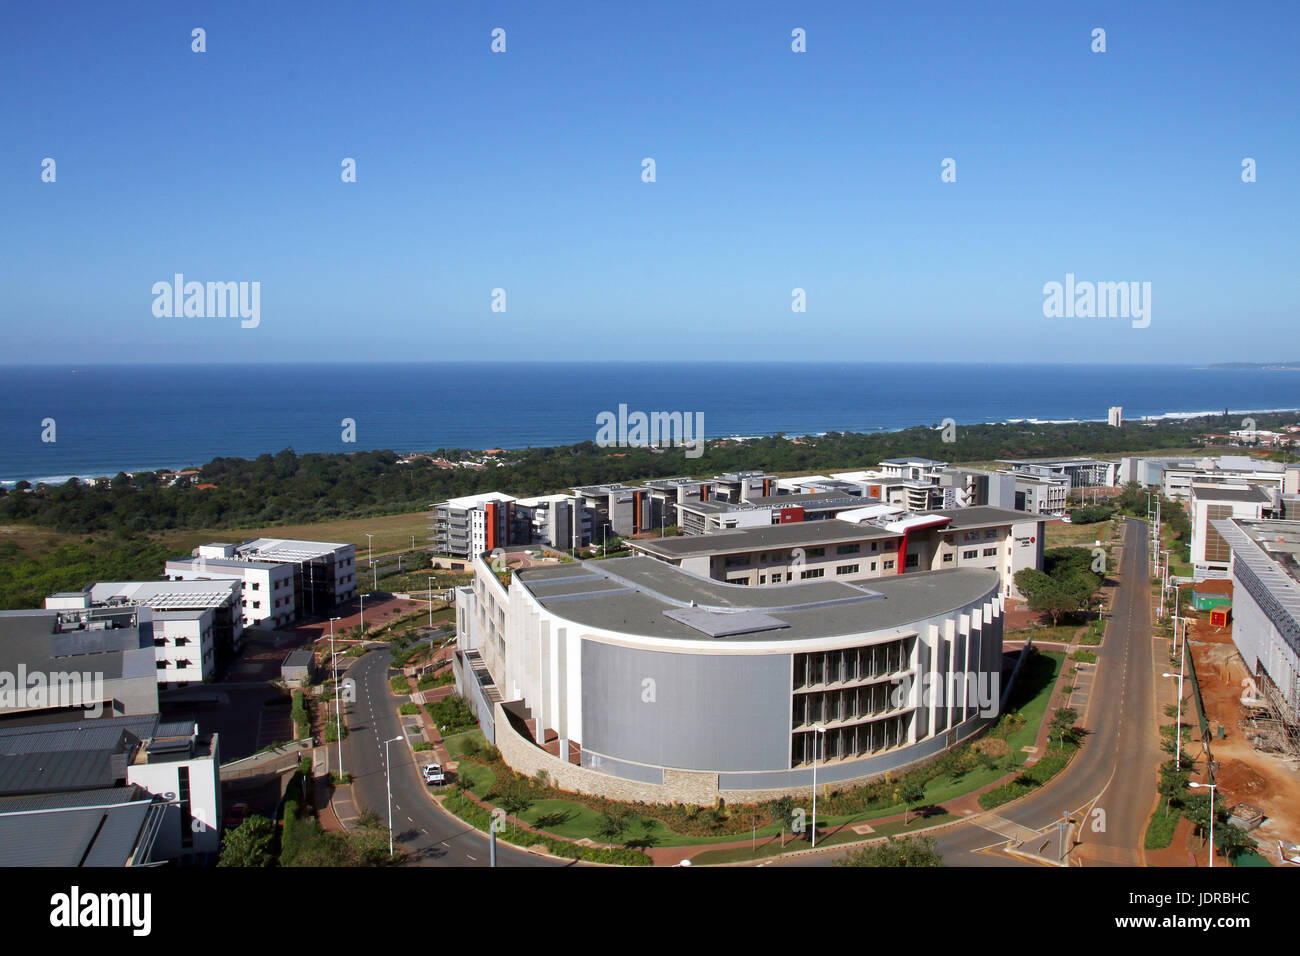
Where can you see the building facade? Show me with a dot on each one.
(638, 680)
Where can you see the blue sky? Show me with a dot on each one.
(775, 170)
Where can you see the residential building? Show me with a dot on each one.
(1115, 416)
(470, 525)
(616, 509)
(735, 487)
(1041, 494)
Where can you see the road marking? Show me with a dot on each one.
(474, 858)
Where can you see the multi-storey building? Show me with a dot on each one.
(861, 545)
(197, 625)
(636, 680)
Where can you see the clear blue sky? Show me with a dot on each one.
(775, 170)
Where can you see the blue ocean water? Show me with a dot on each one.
(113, 418)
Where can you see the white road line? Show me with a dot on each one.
(474, 858)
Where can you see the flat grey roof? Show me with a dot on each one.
(1249, 494)
(28, 638)
(299, 658)
(638, 595)
(981, 516)
(735, 540)
(65, 831)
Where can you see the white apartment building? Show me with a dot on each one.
(1174, 476)
(266, 589)
(860, 545)
(193, 621)
(1211, 502)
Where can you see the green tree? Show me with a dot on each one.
(249, 844)
(1232, 840)
(906, 851)
(909, 792)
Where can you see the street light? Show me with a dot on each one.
(816, 747)
(388, 777)
(1212, 787)
(430, 602)
(338, 710)
(363, 617)
(1178, 727)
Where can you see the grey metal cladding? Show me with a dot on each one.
(710, 712)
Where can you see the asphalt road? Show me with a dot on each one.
(429, 836)
(1114, 772)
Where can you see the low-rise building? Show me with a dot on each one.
(1213, 501)
(861, 545)
(77, 663)
(1266, 611)
(197, 624)
(111, 792)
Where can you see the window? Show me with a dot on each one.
(873, 565)
(991, 533)
(889, 565)
(737, 561)
(160, 642)
(947, 558)
(812, 573)
(967, 555)
(875, 545)
(912, 561)
(257, 585)
(847, 569)
(162, 665)
(848, 549)
(776, 578)
(256, 605)
(816, 552)
(990, 552)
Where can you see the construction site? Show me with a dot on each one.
(1255, 749)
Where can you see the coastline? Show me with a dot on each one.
(59, 479)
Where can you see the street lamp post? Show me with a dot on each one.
(338, 709)
(1178, 727)
(431, 603)
(817, 743)
(1212, 787)
(388, 777)
(363, 616)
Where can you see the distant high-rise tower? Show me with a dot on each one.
(1115, 417)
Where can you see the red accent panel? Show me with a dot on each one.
(902, 553)
(490, 519)
(789, 515)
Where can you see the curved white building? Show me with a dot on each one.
(639, 680)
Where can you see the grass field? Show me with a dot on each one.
(392, 533)
(1057, 535)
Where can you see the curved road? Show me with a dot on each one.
(429, 836)
(1115, 771)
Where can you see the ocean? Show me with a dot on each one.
(107, 419)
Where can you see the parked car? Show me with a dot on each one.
(433, 775)
(236, 814)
